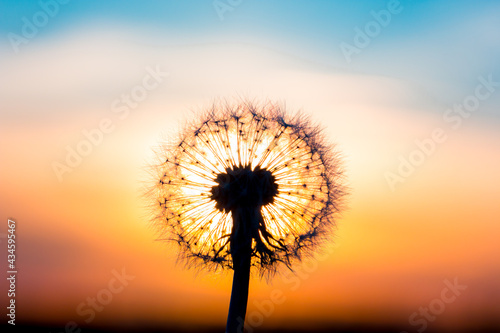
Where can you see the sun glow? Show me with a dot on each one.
(224, 144)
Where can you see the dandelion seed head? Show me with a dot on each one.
(248, 154)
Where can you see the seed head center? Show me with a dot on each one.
(240, 187)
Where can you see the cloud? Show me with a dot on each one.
(88, 68)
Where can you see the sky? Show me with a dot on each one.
(408, 91)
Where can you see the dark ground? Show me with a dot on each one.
(339, 328)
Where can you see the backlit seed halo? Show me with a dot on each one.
(224, 151)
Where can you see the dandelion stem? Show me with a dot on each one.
(241, 249)
(247, 187)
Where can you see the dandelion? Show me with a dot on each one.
(247, 186)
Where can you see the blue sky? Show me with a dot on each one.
(439, 47)
(458, 38)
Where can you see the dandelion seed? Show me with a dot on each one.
(248, 185)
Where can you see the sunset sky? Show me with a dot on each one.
(414, 111)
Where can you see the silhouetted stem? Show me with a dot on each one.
(241, 249)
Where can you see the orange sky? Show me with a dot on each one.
(393, 250)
